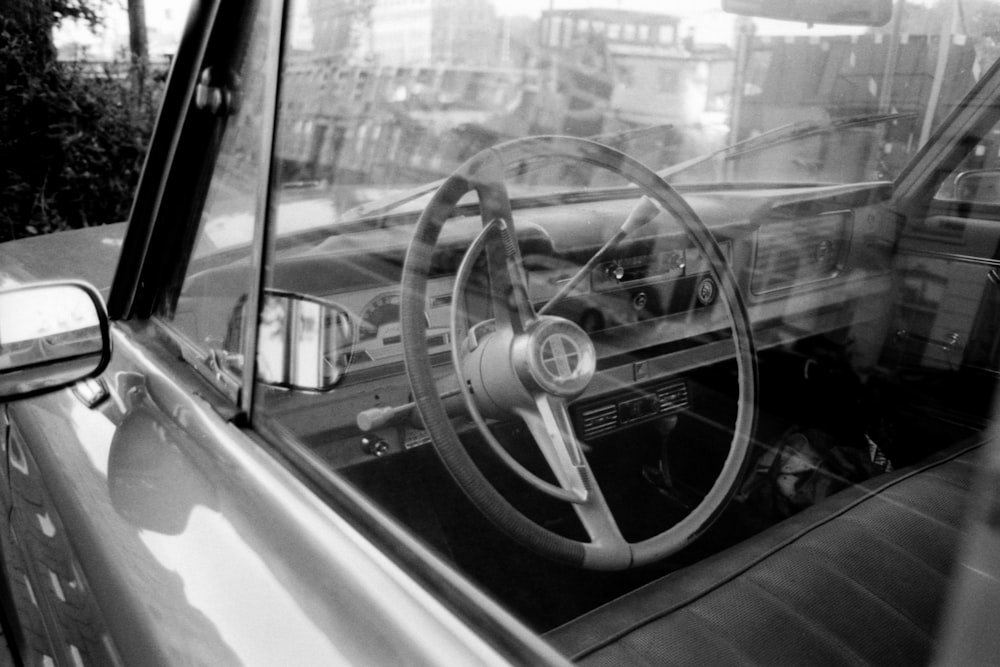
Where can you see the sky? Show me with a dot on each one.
(166, 21)
(710, 23)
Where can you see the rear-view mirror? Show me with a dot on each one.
(51, 335)
(842, 12)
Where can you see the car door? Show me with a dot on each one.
(177, 534)
(947, 297)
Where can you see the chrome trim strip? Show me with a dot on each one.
(263, 242)
(951, 256)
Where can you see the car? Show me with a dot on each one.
(453, 333)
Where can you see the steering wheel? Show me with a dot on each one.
(529, 365)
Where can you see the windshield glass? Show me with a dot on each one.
(380, 108)
(608, 285)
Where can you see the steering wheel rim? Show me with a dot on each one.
(607, 550)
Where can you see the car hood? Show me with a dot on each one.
(89, 254)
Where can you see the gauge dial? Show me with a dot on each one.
(380, 311)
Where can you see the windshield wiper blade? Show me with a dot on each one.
(773, 137)
(812, 129)
(783, 134)
(615, 140)
(700, 159)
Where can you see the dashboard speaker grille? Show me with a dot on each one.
(602, 416)
(793, 253)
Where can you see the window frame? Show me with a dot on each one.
(171, 193)
(175, 183)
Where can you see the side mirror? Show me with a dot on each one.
(842, 12)
(51, 335)
(303, 342)
(981, 186)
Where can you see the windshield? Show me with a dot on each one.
(377, 113)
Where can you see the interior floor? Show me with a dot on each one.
(820, 429)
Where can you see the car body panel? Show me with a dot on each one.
(180, 521)
(94, 250)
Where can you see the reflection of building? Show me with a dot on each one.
(654, 74)
(420, 32)
(417, 122)
(819, 80)
(331, 29)
(623, 31)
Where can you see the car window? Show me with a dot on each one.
(569, 286)
(219, 274)
(976, 179)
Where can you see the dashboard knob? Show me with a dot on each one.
(706, 291)
(374, 445)
(615, 271)
(676, 261)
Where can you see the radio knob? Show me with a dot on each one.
(706, 291)
(676, 261)
(615, 271)
(374, 445)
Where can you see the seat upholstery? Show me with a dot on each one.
(857, 579)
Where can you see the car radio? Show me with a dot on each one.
(604, 415)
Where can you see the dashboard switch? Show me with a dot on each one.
(374, 445)
(706, 291)
(615, 271)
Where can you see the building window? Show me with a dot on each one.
(668, 80)
(555, 23)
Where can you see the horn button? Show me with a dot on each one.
(558, 357)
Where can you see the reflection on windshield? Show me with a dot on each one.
(382, 100)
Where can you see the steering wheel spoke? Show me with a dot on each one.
(550, 424)
(511, 305)
(508, 286)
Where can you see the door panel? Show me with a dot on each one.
(946, 312)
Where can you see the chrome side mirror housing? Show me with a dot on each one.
(304, 343)
(52, 335)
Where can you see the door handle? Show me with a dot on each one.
(994, 277)
(949, 343)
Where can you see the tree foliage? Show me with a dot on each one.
(72, 140)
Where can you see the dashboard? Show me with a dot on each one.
(805, 260)
(620, 291)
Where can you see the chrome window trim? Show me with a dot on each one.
(263, 237)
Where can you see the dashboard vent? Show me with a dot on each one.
(672, 397)
(600, 420)
(603, 416)
(797, 252)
